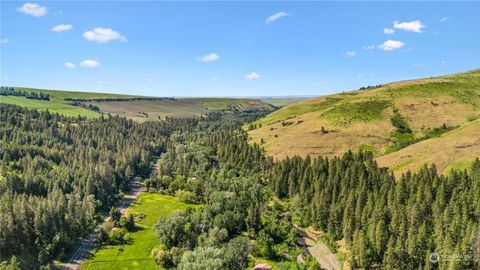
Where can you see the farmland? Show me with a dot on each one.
(138, 108)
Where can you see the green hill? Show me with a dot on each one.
(382, 119)
(139, 108)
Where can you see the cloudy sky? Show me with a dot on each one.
(232, 48)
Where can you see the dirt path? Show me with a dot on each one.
(81, 253)
(311, 245)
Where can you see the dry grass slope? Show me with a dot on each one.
(360, 119)
(456, 149)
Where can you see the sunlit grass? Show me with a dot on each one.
(136, 255)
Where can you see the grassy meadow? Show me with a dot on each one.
(136, 255)
(57, 102)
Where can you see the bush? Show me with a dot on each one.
(103, 235)
(186, 196)
(168, 258)
(117, 236)
(202, 258)
(128, 222)
(400, 122)
(263, 246)
(115, 215)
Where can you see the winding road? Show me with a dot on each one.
(82, 252)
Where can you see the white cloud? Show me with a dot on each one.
(214, 79)
(4, 41)
(416, 64)
(150, 80)
(443, 62)
(62, 27)
(445, 19)
(413, 26)
(351, 53)
(89, 63)
(69, 65)
(252, 76)
(369, 47)
(388, 31)
(211, 57)
(391, 45)
(276, 16)
(32, 9)
(103, 35)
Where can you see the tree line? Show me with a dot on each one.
(11, 91)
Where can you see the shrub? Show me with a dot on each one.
(167, 258)
(128, 222)
(117, 236)
(202, 258)
(186, 196)
(400, 122)
(103, 235)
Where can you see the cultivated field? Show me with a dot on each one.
(138, 110)
(151, 110)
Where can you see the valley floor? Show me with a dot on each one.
(136, 254)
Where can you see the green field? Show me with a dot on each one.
(137, 254)
(54, 105)
(283, 101)
(138, 110)
(57, 102)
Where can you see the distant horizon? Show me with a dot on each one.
(238, 97)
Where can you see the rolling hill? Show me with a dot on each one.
(138, 108)
(395, 121)
(455, 149)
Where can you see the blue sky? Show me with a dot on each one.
(233, 48)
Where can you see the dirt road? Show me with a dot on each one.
(311, 245)
(89, 243)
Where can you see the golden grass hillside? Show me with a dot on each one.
(362, 119)
(456, 149)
